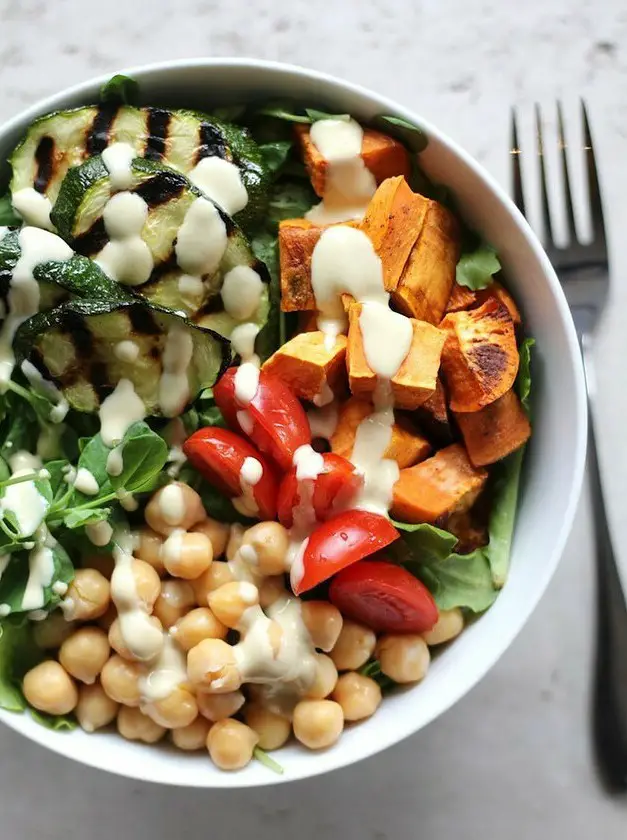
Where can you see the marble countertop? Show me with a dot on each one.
(513, 758)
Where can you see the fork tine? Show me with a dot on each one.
(546, 210)
(570, 213)
(594, 189)
(517, 185)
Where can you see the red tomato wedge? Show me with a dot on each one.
(333, 489)
(384, 597)
(278, 423)
(340, 542)
(219, 455)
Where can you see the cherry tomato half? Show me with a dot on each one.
(219, 455)
(278, 423)
(384, 597)
(333, 489)
(340, 542)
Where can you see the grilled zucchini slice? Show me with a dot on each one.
(78, 216)
(58, 280)
(76, 346)
(57, 141)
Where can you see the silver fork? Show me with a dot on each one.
(583, 271)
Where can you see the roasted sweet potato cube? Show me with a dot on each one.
(480, 358)
(445, 483)
(464, 298)
(297, 240)
(407, 446)
(415, 380)
(425, 284)
(393, 221)
(383, 156)
(433, 417)
(311, 370)
(496, 431)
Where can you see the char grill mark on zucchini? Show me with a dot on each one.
(74, 346)
(92, 241)
(162, 188)
(44, 157)
(142, 321)
(179, 138)
(212, 143)
(158, 125)
(98, 137)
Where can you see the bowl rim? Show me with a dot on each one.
(367, 747)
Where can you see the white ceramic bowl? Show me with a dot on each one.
(555, 459)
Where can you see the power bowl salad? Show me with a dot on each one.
(264, 403)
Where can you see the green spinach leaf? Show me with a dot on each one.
(8, 216)
(120, 90)
(219, 506)
(424, 543)
(275, 154)
(372, 669)
(144, 454)
(315, 115)
(476, 268)
(18, 654)
(77, 518)
(15, 577)
(411, 135)
(460, 580)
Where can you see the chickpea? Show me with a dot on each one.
(175, 506)
(358, 696)
(272, 729)
(149, 550)
(318, 723)
(403, 658)
(216, 576)
(324, 623)
(193, 736)
(211, 666)
(354, 647)
(230, 601)
(178, 709)
(120, 680)
(103, 563)
(325, 679)
(217, 532)
(175, 600)
(450, 624)
(95, 708)
(219, 706)
(197, 625)
(84, 654)
(187, 555)
(264, 546)
(231, 744)
(235, 540)
(49, 688)
(147, 586)
(270, 590)
(87, 597)
(105, 621)
(116, 639)
(134, 725)
(53, 631)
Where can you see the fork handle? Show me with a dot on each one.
(610, 690)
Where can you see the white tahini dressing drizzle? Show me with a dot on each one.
(172, 504)
(47, 389)
(349, 185)
(241, 292)
(323, 421)
(33, 207)
(24, 500)
(141, 636)
(99, 533)
(174, 385)
(40, 570)
(36, 247)
(126, 257)
(126, 351)
(220, 180)
(118, 411)
(115, 461)
(201, 240)
(118, 158)
(85, 482)
(344, 260)
(250, 474)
